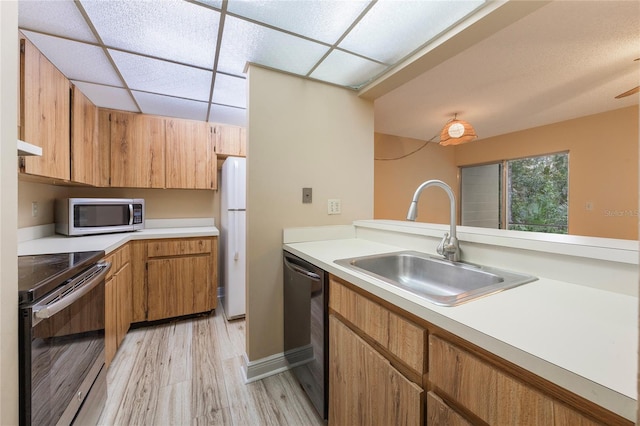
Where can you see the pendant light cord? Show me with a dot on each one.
(410, 153)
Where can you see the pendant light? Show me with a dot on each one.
(457, 132)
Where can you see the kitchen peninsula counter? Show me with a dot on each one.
(574, 326)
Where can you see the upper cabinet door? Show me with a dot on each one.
(137, 150)
(191, 162)
(230, 140)
(44, 113)
(85, 152)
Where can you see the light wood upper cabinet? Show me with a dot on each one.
(137, 150)
(230, 140)
(85, 150)
(190, 157)
(44, 113)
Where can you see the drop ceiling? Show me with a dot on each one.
(563, 60)
(187, 58)
(420, 61)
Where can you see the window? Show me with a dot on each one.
(535, 194)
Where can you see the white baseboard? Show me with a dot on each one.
(274, 364)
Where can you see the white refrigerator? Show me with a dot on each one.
(233, 236)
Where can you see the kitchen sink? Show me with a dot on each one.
(437, 280)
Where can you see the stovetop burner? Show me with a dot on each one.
(40, 274)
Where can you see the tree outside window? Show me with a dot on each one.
(527, 194)
(538, 193)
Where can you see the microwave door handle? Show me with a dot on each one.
(48, 311)
(130, 213)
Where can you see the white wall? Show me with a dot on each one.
(300, 134)
(8, 213)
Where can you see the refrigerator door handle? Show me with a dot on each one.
(236, 255)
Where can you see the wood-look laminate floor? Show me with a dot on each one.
(189, 372)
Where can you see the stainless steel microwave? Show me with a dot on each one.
(86, 216)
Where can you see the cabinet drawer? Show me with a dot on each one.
(118, 259)
(371, 318)
(401, 337)
(178, 247)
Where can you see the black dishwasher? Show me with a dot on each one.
(306, 337)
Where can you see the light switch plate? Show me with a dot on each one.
(333, 206)
(307, 195)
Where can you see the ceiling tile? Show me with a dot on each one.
(162, 77)
(107, 96)
(244, 42)
(230, 91)
(393, 29)
(171, 107)
(346, 69)
(228, 115)
(77, 61)
(321, 20)
(171, 29)
(61, 18)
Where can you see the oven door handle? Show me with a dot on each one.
(93, 277)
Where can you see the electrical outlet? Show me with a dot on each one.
(333, 206)
(34, 209)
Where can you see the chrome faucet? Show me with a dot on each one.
(449, 246)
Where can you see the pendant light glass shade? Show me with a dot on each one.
(457, 132)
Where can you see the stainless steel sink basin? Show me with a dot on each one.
(437, 280)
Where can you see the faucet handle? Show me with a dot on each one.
(445, 240)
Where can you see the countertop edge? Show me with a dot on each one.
(108, 242)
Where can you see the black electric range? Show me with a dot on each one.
(39, 274)
(61, 337)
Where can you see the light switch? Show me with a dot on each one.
(34, 209)
(306, 195)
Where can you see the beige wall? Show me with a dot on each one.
(300, 134)
(8, 214)
(603, 169)
(159, 203)
(396, 180)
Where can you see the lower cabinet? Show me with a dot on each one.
(179, 286)
(376, 362)
(117, 301)
(389, 367)
(174, 277)
(439, 413)
(157, 279)
(491, 395)
(364, 387)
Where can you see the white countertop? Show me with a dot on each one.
(582, 338)
(108, 242)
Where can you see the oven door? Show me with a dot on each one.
(62, 349)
